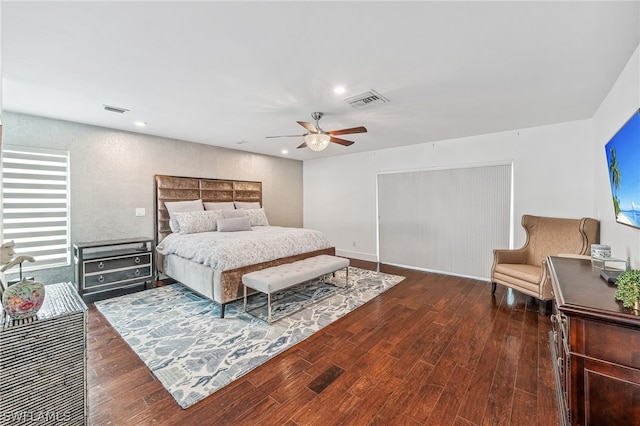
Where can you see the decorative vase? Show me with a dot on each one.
(600, 251)
(24, 299)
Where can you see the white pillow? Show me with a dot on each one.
(234, 224)
(181, 206)
(219, 205)
(203, 221)
(247, 204)
(257, 217)
(228, 214)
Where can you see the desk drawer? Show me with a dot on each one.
(109, 264)
(106, 278)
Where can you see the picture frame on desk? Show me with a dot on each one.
(610, 275)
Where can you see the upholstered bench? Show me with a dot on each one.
(281, 277)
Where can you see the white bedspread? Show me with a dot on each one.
(229, 250)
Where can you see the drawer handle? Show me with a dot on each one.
(100, 265)
(137, 260)
(137, 272)
(101, 278)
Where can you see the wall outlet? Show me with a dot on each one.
(140, 211)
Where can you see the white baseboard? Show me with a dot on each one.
(436, 271)
(357, 255)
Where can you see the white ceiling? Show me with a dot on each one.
(222, 72)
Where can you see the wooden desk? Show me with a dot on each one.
(596, 348)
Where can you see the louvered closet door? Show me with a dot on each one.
(445, 220)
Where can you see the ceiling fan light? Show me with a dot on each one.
(317, 141)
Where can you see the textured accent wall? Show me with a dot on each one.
(112, 174)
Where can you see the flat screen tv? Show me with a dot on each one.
(623, 161)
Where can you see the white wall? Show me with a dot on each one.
(559, 170)
(615, 110)
(553, 167)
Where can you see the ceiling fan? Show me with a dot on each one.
(318, 139)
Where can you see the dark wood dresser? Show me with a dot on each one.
(595, 344)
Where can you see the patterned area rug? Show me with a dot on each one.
(180, 336)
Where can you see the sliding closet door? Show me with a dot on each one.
(445, 220)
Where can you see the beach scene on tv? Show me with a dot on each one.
(623, 160)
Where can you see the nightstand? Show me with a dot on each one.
(113, 267)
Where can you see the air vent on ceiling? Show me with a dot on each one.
(366, 99)
(115, 109)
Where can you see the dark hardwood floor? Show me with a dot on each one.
(433, 350)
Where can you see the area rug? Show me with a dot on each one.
(193, 352)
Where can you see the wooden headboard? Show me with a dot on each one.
(177, 188)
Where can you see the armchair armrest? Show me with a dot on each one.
(509, 256)
(545, 283)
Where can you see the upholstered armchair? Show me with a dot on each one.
(525, 269)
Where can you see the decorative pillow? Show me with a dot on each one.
(181, 206)
(247, 204)
(222, 205)
(257, 217)
(228, 214)
(234, 224)
(203, 221)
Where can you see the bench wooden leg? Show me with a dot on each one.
(269, 307)
(493, 288)
(222, 305)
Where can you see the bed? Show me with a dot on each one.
(221, 280)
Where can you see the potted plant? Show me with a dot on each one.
(629, 289)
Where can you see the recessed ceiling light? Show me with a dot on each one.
(284, 151)
(339, 90)
(140, 123)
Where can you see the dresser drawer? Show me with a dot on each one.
(94, 281)
(109, 264)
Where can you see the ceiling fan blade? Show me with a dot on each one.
(304, 145)
(310, 127)
(360, 129)
(341, 141)
(286, 136)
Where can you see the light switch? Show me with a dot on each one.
(140, 211)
